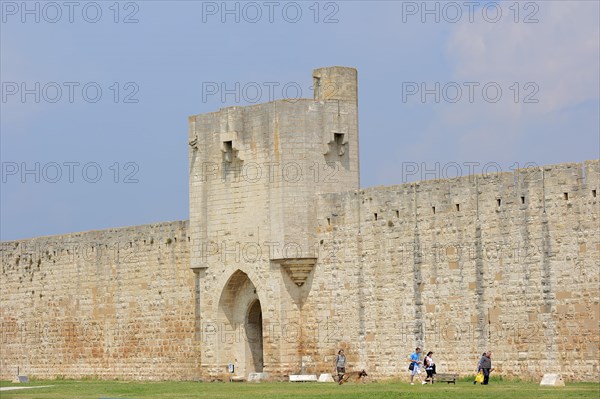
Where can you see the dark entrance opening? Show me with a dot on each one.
(254, 335)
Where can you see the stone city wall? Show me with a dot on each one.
(114, 303)
(505, 262)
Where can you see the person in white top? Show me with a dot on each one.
(429, 366)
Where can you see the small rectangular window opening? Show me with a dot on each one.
(433, 209)
(522, 200)
(566, 196)
(398, 212)
(458, 207)
(375, 216)
(228, 151)
(328, 222)
(499, 201)
(594, 193)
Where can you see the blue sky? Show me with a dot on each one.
(155, 63)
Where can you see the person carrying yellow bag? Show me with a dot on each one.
(486, 367)
(479, 375)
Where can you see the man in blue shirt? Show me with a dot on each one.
(415, 369)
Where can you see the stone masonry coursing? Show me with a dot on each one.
(285, 259)
(103, 304)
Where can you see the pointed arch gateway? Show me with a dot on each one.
(241, 325)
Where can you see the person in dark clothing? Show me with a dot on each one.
(479, 366)
(486, 367)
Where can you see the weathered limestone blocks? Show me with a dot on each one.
(285, 260)
(112, 304)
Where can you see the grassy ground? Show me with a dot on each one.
(68, 389)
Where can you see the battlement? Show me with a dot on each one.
(548, 189)
(335, 83)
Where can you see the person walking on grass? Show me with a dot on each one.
(414, 367)
(429, 366)
(486, 367)
(340, 365)
(479, 366)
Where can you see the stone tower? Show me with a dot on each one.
(255, 173)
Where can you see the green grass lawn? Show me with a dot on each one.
(67, 389)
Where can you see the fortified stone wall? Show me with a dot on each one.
(284, 260)
(495, 273)
(506, 262)
(115, 303)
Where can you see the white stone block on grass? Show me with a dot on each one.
(326, 378)
(257, 377)
(552, 380)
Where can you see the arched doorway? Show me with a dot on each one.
(241, 326)
(254, 336)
